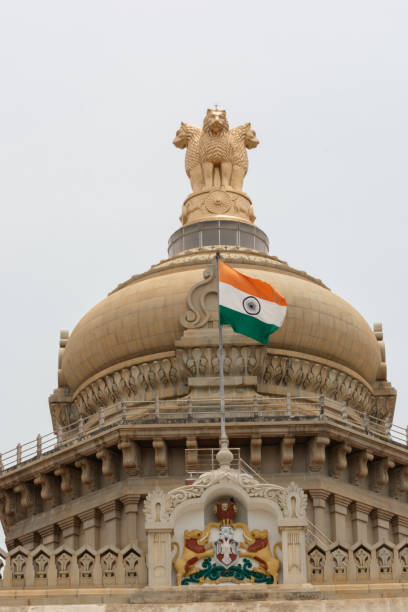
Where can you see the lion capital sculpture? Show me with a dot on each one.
(216, 156)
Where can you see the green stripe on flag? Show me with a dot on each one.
(247, 324)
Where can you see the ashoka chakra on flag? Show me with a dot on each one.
(251, 306)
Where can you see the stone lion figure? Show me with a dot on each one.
(242, 138)
(214, 149)
(188, 136)
(216, 156)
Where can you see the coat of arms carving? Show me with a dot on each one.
(226, 552)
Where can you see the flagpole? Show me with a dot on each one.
(224, 438)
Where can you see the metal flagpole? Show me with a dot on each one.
(224, 438)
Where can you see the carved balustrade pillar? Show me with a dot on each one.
(70, 532)
(319, 499)
(90, 524)
(381, 524)
(111, 523)
(50, 536)
(338, 510)
(130, 508)
(359, 520)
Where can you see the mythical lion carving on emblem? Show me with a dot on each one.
(216, 156)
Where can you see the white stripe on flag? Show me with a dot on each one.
(233, 298)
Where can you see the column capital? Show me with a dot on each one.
(339, 503)
(401, 521)
(360, 508)
(110, 509)
(89, 518)
(49, 530)
(130, 502)
(72, 522)
(383, 515)
(319, 494)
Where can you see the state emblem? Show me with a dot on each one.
(226, 552)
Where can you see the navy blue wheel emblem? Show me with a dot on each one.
(251, 305)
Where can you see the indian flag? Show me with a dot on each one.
(251, 306)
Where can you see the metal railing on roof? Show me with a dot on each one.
(269, 410)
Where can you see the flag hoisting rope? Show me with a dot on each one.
(252, 308)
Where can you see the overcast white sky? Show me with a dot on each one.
(92, 93)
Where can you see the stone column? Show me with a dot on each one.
(111, 524)
(90, 525)
(130, 507)
(319, 498)
(381, 524)
(49, 536)
(399, 525)
(70, 532)
(338, 510)
(159, 556)
(294, 567)
(359, 519)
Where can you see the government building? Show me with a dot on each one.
(136, 501)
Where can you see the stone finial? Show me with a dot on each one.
(224, 455)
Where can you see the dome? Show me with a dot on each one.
(156, 335)
(141, 321)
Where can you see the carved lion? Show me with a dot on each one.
(242, 138)
(194, 549)
(188, 136)
(215, 150)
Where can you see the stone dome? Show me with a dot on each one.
(142, 321)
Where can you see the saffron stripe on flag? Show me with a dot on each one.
(248, 285)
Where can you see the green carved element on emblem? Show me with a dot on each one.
(210, 572)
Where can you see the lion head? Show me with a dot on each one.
(215, 122)
(181, 139)
(251, 141)
(195, 534)
(259, 534)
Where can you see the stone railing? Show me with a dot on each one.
(268, 410)
(64, 567)
(362, 562)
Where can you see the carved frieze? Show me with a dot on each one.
(267, 373)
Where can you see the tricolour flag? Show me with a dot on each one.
(251, 306)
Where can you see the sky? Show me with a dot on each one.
(91, 187)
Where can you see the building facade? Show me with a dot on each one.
(130, 501)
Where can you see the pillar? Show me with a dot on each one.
(359, 520)
(338, 511)
(399, 525)
(381, 524)
(294, 568)
(69, 532)
(111, 523)
(319, 499)
(159, 556)
(90, 526)
(130, 507)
